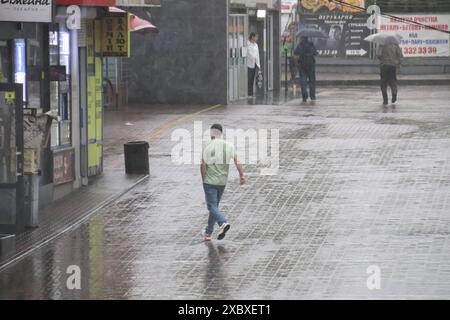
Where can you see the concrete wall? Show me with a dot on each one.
(186, 63)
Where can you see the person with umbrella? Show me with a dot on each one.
(306, 53)
(390, 55)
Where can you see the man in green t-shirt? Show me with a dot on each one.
(216, 157)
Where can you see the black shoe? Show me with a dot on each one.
(313, 99)
(385, 102)
(394, 99)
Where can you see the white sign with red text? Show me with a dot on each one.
(419, 41)
(26, 10)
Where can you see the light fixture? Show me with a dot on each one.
(261, 14)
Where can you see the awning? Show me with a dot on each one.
(137, 24)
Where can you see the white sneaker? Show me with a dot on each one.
(206, 237)
(223, 230)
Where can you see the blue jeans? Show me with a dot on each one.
(308, 79)
(212, 196)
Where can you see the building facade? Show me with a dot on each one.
(199, 55)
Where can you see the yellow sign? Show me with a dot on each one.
(115, 38)
(348, 6)
(10, 96)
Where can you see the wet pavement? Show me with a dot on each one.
(359, 185)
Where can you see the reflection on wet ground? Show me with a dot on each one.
(356, 187)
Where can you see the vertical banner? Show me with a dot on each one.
(98, 94)
(115, 37)
(419, 41)
(91, 96)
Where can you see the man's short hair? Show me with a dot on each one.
(217, 127)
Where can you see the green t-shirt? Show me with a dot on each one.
(217, 154)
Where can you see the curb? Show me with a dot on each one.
(57, 234)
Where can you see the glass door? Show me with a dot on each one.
(269, 52)
(11, 158)
(242, 52)
(237, 38)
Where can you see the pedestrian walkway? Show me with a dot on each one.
(360, 187)
(68, 212)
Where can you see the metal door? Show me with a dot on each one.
(11, 158)
(269, 69)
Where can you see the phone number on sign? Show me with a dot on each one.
(420, 50)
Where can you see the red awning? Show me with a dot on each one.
(137, 24)
(95, 3)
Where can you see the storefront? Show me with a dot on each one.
(264, 19)
(53, 52)
(23, 63)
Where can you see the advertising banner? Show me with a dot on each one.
(345, 33)
(63, 169)
(419, 41)
(26, 11)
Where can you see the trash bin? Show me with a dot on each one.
(136, 157)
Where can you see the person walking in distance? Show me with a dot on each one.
(214, 167)
(390, 56)
(253, 62)
(306, 52)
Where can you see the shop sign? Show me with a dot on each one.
(73, 21)
(115, 36)
(26, 10)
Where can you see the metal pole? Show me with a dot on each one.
(75, 95)
(285, 66)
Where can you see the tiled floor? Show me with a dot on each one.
(358, 185)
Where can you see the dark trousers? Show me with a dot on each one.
(293, 68)
(388, 77)
(251, 80)
(308, 79)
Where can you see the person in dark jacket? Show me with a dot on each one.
(390, 56)
(306, 53)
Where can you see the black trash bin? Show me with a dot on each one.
(136, 157)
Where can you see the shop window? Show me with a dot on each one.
(60, 87)
(34, 73)
(5, 62)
